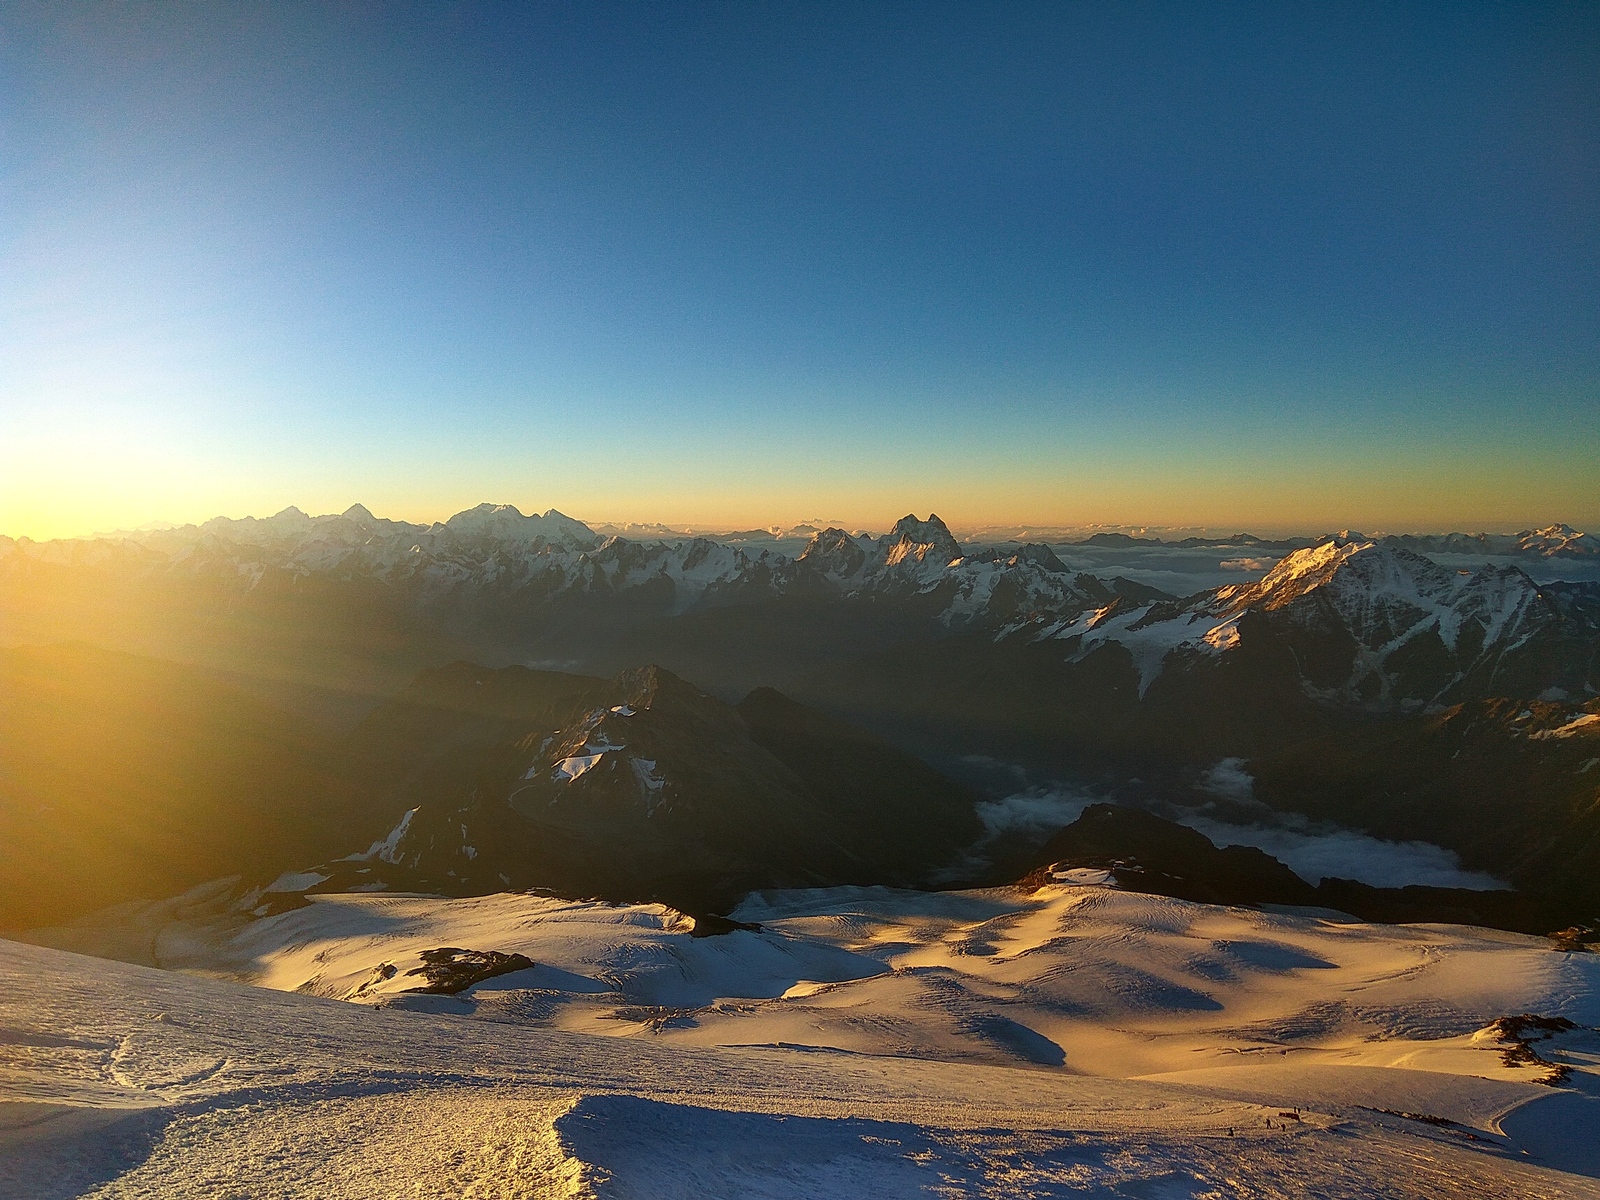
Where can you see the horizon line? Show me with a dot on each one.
(962, 530)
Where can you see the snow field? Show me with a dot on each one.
(1078, 1041)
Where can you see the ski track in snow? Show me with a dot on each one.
(1080, 1041)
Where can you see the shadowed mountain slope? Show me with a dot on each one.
(129, 778)
(646, 787)
(125, 778)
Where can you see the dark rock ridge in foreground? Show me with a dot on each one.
(1147, 853)
(1150, 854)
(125, 779)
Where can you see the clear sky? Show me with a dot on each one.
(1267, 266)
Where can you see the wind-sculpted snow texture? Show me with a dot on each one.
(1074, 1041)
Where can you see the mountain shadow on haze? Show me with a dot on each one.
(125, 778)
(128, 778)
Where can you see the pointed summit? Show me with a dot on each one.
(924, 541)
(288, 522)
(923, 533)
(835, 553)
(560, 527)
(358, 512)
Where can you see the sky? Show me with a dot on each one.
(1268, 267)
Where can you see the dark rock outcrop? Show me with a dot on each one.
(1147, 853)
(449, 970)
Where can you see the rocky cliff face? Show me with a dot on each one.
(644, 786)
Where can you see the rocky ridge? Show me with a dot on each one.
(1367, 625)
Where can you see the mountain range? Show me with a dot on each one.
(683, 719)
(646, 787)
(497, 586)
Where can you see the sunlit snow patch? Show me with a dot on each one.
(388, 850)
(570, 768)
(1571, 728)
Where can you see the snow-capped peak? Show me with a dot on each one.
(1375, 598)
(507, 521)
(924, 541)
(1302, 570)
(835, 553)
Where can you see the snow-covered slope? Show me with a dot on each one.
(1075, 1041)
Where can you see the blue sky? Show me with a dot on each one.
(1260, 266)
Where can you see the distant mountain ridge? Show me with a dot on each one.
(1349, 659)
(496, 551)
(1370, 625)
(1559, 540)
(1554, 541)
(1367, 623)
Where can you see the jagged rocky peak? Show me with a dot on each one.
(1364, 565)
(358, 512)
(640, 685)
(924, 541)
(1040, 555)
(643, 688)
(827, 541)
(1301, 570)
(835, 553)
(1375, 585)
(1558, 540)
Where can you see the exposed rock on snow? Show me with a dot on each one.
(449, 970)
